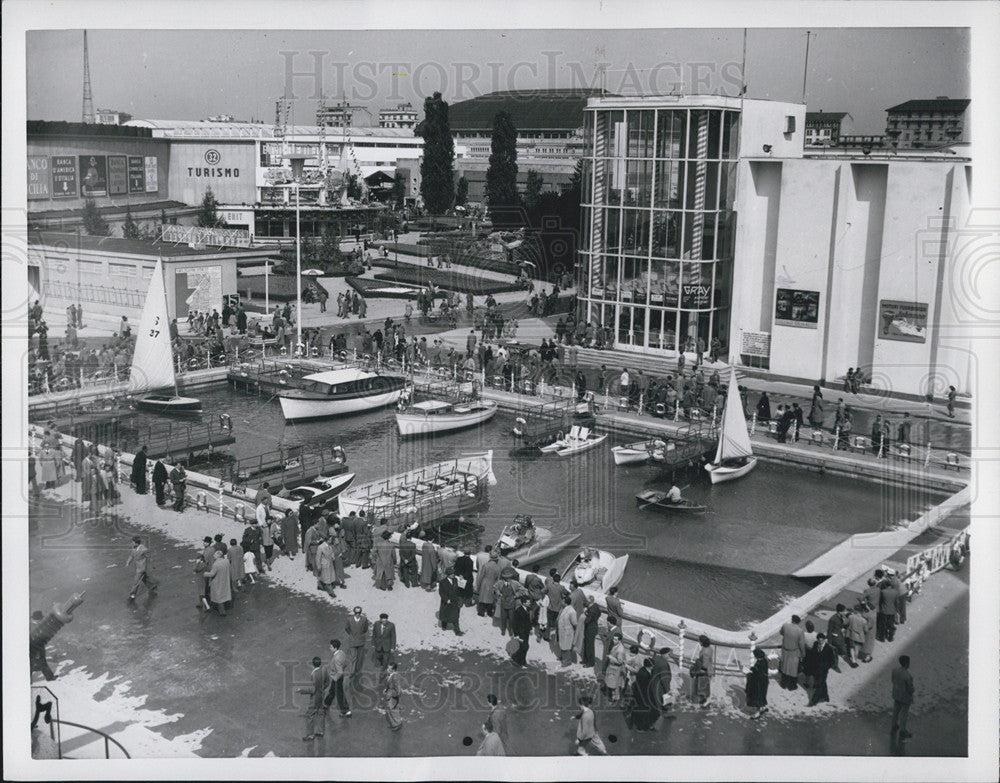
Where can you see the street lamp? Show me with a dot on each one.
(298, 274)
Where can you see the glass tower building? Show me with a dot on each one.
(658, 224)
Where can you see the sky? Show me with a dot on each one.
(193, 74)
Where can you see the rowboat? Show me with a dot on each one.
(734, 457)
(642, 451)
(596, 569)
(437, 415)
(655, 499)
(578, 439)
(527, 544)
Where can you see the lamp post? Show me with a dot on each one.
(298, 273)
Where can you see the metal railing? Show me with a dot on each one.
(108, 739)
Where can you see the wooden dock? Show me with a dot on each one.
(177, 439)
(286, 467)
(541, 424)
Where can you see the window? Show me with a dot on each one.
(121, 270)
(91, 267)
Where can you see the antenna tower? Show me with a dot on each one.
(88, 97)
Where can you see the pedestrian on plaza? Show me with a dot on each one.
(819, 659)
(451, 601)
(496, 721)
(793, 650)
(408, 572)
(316, 712)
(47, 467)
(591, 615)
(645, 711)
(614, 667)
(835, 628)
(390, 697)
(796, 425)
(486, 581)
(555, 592)
(854, 635)
(520, 629)
(267, 535)
(290, 532)
(138, 477)
(902, 698)
(338, 671)
(586, 730)
(764, 408)
(338, 548)
(140, 557)
(662, 676)
(506, 592)
(383, 641)
(951, 402)
(566, 624)
(810, 634)
(236, 569)
(903, 430)
(871, 629)
(325, 576)
(36, 649)
(77, 455)
(160, 477)
(816, 408)
(428, 565)
(178, 478)
(491, 745)
(357, 635)
(756, 684)
(220, 587)
(384, 561)
(702, 670)
(888, 595)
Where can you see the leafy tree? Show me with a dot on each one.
(93, 223)
(501, 176)
(130, 230)
(329, 248)
(208, 213)
(354, 190)
(437, 184)
(398, 195)
(533, 191)
(462, 191)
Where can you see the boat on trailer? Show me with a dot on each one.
(651, 498)
(734, 457)
(577, 440)
(524, 542)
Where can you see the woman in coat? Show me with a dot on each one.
(235, 555)
(160, 477)
(702, 670)
(310, 544)
(756, 685)
(290, 532)
(339, 549)
(325, 576)
(614, 668)
(816, 410)
(220, 591)
(47, 467)
(428, 565)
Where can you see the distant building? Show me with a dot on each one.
(339, 116)
(927, 123)
(823, 128)
(111, 117)
(403, 116)
(848, 140)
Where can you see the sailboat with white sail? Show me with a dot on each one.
(153, 357)
(734, 456)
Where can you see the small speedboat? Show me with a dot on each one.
(596, 569)
(655, 499)
(642, 451)
(525, 543)
(320, 490)
(578, 439)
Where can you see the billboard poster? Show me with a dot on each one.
(93, 175)
(64, 184)
(117, 175)
(39, 177)
(696, 296)
(793, 307)
(152, 180)
(906, 321)
(136, 174)
(199, 288)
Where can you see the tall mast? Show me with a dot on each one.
(88, 98)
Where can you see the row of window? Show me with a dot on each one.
(662, 133)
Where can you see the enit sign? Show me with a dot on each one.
(213, 157)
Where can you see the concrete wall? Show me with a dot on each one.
(764, 123)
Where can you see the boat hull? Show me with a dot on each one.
(580, 446)
(539, 550)
(722, 473)
(334, 486)
(165, 403)
(625, 455)
(658, 500)
(301, 407)
(413, 425)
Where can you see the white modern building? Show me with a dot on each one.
(703, 218)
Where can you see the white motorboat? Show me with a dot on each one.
(430, 416)
(734, 457)
(439, 484)
(596, 569)
(642, 451)
(527, 544)
(576, 440)
(338, 392)
(320, 491)
(153, 357)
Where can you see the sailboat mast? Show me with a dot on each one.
(166, 309)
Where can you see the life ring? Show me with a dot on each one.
(401, 404)
(661, 409)
(642, 635)
(192, 364)
(498, 381)
(520, 426)
(202, 501)
(469, 375)
(226, 421)
(283, 351)
(528, 387)
(338, 454)
(342, 356)
(283, 377)
(295, 462)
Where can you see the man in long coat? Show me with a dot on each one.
(290, 532)
(140, 557)
(364, 544)
(661, 679)
(793, 649)
(236, 571)
(139, 471)
(566, 624)
(316, 713)
(311, 545)
(645, 710)
(220, 590)
(350, 527)
(383, 561)
(451, 602)
(357, 634)
(383, 641)
(407, 561)
(77, 455)
(590, 618)
(428, 565)
(520, 629)
(338, 550)
(486, 580)
(325, 576)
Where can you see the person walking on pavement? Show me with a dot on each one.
(390, 697)
(496, 721)
(220, 586)
(383, 641)
(817, 664)
(902, 698)
(357, 634)
(835, 628)
(338, 671)
(139, 471)
(566, 624)
(236, 571)
(586, 729)
(451, 602)
(793, 649)
(520, 629)
(888, 595)
(140, 557)
(316, 712)
(178, 478)
(756, 684)
(486, 579)
(36, 649)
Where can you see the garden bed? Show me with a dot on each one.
(446, 279)
(280, 288)
(381, 289)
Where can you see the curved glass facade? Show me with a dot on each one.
(658, 223)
